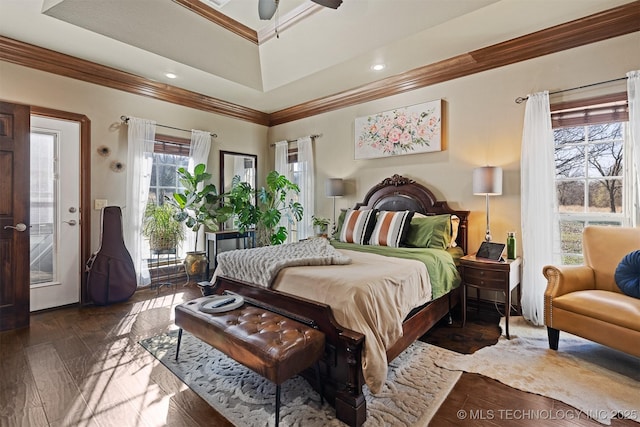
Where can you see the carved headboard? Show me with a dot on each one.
(398, 193)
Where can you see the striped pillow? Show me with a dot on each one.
(391, 227)
(357, 226)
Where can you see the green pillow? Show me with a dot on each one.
(429, 232)
(338, 225)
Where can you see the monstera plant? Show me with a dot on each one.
(272, 206)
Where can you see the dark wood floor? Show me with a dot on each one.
(82, 366)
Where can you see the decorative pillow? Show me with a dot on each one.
(357, 226)
(390, 228)
(429, 232)
(338, 225)
(627, 274)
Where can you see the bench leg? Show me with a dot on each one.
(178, 346)
(277, 404)
(320, 387)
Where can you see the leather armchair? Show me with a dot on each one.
(585, 300)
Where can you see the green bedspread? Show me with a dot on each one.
(441, 266)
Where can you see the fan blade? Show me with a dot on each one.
(333, 4)
(266, 9)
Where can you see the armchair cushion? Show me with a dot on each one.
(627, 274)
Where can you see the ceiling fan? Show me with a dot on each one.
(267, 8)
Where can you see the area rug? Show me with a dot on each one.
(412, 394)
(598, 381)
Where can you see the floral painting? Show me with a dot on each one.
(407, 130)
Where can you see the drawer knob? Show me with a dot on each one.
(482, 273)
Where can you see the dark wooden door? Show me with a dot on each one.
(14, 216)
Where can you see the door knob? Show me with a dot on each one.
(71, 222)
(18, 227)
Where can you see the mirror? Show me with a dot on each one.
(241, 164)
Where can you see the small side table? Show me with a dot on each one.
(169, 264)
(480, 273)
(248, 239)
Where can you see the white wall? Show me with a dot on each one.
(104, 106)
(482, 125)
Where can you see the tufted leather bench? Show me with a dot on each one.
(268, 343)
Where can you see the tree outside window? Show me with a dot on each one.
(590, 174)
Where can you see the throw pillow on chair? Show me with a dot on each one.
(627, 274)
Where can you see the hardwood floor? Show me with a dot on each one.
(83, 366)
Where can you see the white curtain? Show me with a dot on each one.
(198, 153)
(540, 232)
(282, 156)
(633, 95)
(307, 186)
(282, 167)
(141, 138)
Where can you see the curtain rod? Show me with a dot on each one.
(296, 140)
(521, 99)
(125, 119)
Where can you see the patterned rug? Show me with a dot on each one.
(412, 394)
(596, 380)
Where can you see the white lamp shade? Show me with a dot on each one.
(487, 180)
(335, 187)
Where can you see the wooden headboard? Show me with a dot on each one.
(398, 193)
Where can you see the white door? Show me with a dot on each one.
(55, 213)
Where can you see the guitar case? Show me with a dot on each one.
(111, 273)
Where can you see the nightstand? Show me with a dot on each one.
(480, 273)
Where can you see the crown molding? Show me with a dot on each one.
(50, 61)
(290, 19)
(220, 19)
(594, 28)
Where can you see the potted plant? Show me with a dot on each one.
(272, 206)
(198, 205)
(160, 226)
(320, 226)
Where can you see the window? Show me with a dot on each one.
(170, 153)
(591, 168)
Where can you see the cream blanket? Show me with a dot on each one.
(261, 265)
(372, 295)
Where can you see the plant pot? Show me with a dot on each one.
(321, 230)
(162, 243)
(195, 264)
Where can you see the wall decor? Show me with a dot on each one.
(117, 166)
(104, 151)
(406, 130)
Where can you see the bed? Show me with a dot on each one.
(350, 356)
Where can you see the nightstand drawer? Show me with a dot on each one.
(484, 278)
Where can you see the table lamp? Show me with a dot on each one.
(487, 181)
(334, 188)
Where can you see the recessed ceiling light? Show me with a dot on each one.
(377, 67)
(170, 75)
